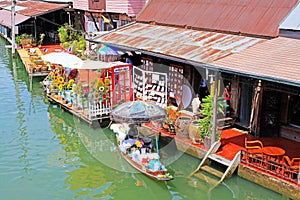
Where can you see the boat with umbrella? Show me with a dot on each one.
(134, 147)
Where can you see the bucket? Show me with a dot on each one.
(182, 124)
(194, 132)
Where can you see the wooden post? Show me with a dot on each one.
(30, 81)
(299, 176)
(215, 108)
(13, 29)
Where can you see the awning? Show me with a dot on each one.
(5, 16)
(276, 60)
(25, 10)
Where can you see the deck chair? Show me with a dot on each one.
(254, 150)
(294, 162)
(292, 166)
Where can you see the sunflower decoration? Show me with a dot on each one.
(101, 86)
(107, 81)
(60, 86)
(61, 80)
(101, 89)
(55, 78)
(70, 83)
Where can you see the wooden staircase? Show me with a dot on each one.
(212, 175)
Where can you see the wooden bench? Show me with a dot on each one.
(225, 122)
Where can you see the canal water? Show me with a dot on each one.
(46, 153)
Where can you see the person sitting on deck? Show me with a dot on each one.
(196, 103)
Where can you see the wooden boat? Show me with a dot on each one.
(138, 153)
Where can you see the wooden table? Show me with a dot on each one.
(273, 152)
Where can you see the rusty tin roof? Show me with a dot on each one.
(188, 44)
(5, 18)
(32, 8)
(277, 59)
(255, 17)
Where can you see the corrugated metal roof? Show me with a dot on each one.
(257, 17)
(292, 21)
(278, 59)
(192, 45)
(5, 17)
(32, 8)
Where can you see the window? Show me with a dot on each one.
(294, 109)
(124, 22)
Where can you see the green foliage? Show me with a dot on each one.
(81, 43)
(66, 44)
(17, 39)
(69, 37)
(207, 111)
(25, 39)
(63, 33)
(42, 36)
(25, 36)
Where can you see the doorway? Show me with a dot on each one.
(245, 104)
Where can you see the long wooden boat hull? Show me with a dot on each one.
(157, 175)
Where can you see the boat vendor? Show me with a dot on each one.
(133, 132)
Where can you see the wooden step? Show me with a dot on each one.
(219, 159)
(206, 178)
(212, 171)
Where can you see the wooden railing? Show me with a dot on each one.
(275, 168)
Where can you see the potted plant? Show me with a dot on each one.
(26, 39)
(42, 36)
(205, 123)
(170, 120)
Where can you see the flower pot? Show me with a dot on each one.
(59, 98)
(194, 132)
(207, 142)
(166, 126)
(44, 68)
(172, 129)
(182, 124)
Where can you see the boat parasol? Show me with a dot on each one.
(137, 112)
(106, 50)
(62, 58)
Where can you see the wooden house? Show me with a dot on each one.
(98, 15)
(240, 41)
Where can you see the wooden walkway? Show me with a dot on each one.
(29, 65)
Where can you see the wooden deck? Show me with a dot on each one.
(232, 141)
(82, 115)
(29, 65)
